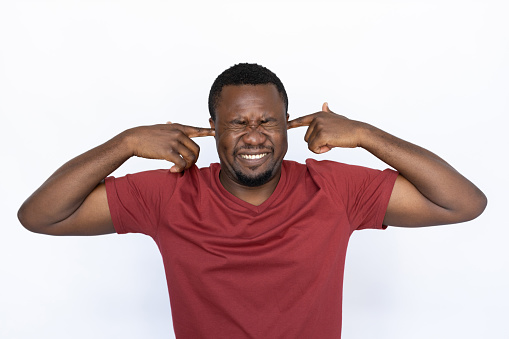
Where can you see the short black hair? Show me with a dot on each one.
(244, 74)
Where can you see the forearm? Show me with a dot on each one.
(64, 191)
(434, 178)
(428, 191)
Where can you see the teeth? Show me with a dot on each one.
(253, 156)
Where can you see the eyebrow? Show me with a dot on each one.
(236, 121)
(270, 119)
(241, 121)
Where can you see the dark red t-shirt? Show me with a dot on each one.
(235, 270)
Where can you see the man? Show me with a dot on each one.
(254, 246)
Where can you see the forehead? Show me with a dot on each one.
(249, 100)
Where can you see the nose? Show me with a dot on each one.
(254, 135)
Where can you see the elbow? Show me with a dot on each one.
(23, 219)
(26, 219)
(475, 208)
(482, 202)
(36, 221)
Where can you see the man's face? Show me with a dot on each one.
(251, 134)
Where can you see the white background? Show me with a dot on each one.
(75, 73)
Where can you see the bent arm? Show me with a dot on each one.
(428, 190)
(73, 200)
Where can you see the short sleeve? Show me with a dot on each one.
(363, 192)
(135, 200)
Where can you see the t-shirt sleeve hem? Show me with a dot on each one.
(113, 202)
(388, 186)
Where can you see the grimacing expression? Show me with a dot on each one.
(251, 133)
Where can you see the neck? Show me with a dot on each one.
(252, 195)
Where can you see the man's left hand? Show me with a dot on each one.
(328, 130)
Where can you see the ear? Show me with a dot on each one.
(212, 124)
(287, 117)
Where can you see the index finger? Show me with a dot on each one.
(302, 121)
(193, 132)
(200, 132)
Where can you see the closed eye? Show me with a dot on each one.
(270, 122)
(239, 122)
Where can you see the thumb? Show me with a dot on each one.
(325, 107)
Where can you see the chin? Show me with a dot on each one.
(254, 181)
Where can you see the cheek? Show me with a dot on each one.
(283, 144)
(281, 136)
(225, 141)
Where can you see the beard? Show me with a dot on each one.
(254, 181)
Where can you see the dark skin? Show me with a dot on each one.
(73, 200)
(251, 136)
(428, 190)
(251, 139)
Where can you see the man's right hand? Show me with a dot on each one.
(170, 142)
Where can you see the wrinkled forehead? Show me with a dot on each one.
(240, 100)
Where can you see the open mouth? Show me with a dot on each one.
(253, 156)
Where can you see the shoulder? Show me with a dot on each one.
(341, 175)
(162, 177)
(329, 164)
(322, 167)
(334, 168)
(146, 177)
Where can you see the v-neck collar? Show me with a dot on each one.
(243, 204)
